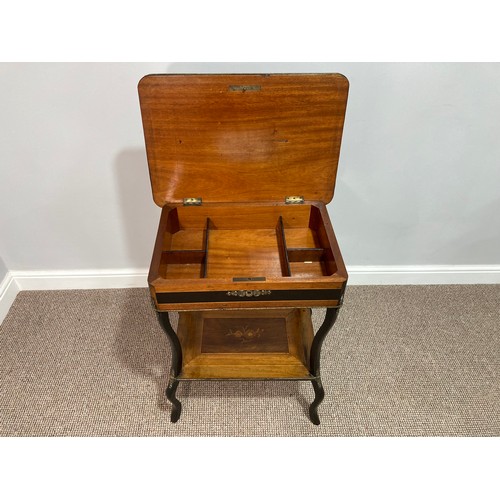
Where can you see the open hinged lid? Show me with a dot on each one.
(243, 138)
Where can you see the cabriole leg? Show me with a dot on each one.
(175, 365)
(319, 394)
(328, 322)
(176, 404)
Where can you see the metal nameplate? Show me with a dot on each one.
(258, 278)
(244, 88)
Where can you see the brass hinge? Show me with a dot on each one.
(191, 201)
(294, 200)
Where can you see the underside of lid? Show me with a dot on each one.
(243, 138)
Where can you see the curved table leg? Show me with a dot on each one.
(176, 404)
(175, 367)
(328, 322)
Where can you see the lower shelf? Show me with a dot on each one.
(252, 344)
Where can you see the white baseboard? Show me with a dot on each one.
(80, 279)
(423, 275)
(8, 292)
(16, 281)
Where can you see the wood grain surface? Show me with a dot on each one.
(243, 138)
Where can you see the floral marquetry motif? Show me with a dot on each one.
(245, 334)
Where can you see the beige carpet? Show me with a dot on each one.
(401, 361)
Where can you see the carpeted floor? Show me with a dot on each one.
(400, 361)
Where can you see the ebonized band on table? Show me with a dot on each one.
(276, 295)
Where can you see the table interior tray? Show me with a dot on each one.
(247, 242)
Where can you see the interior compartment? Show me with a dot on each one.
(246, 243)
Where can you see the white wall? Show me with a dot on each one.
(3, 270)
(418, 180)
(75, 188)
